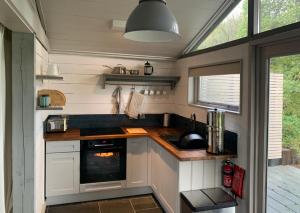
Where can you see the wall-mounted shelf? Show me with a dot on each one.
(49, 108)
(139, 80)
(49, 77)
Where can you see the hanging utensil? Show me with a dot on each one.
(117, 99)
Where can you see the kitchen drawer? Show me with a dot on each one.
(62, 146)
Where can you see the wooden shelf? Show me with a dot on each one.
(49, 77)
(49, 108)
(139, 80)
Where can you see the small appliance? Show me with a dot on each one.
(102, 163)
(57, 123)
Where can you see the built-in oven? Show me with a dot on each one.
(102, 164)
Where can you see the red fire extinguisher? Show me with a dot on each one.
(228, 169)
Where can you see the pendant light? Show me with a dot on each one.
(152, 21)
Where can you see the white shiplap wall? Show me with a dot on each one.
(82, 85)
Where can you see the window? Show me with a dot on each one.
(234, 26)
(216, 86)
(277, 13)
(225, 26)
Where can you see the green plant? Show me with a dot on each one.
(289, 66)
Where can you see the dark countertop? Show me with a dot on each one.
(152, 132)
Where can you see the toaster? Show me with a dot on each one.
(56, 123)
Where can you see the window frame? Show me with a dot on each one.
(193, 99)
(211, 24)
(253, 32)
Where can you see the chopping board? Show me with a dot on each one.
(136, 131)
(57, 97)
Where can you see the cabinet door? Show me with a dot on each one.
(155, 167)
(164, 177)
(169, 190)
(137, 162)
(62, 173)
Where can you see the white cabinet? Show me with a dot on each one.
(137, 162)
(62, 146)
(62, 170)
(169, 191)
(155, 167)
(164, 177)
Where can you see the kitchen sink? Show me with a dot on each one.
(175, 142)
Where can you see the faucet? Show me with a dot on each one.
(193, 120)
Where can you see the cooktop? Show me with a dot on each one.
(101, 131)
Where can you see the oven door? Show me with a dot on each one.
(102, 161)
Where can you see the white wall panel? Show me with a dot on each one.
(185, 171)
(200, 174)
(218, 172)
(82, 84)
(238, 123)
(209, 173)
(197, 175)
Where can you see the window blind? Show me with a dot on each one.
(216, 86)
(217, 69)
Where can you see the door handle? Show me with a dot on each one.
(102, 145)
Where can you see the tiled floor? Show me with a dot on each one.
(139, 204)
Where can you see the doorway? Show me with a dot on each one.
(278, 128)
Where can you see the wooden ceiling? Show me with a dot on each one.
(85, 25)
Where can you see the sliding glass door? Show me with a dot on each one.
(278, 129)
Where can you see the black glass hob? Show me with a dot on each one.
(101, 131)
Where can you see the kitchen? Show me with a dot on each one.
(106, 107)
(143, 149)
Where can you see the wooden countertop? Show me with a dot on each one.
(153, 132)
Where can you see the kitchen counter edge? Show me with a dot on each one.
(153, 133)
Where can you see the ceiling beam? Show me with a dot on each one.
(114, 55)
